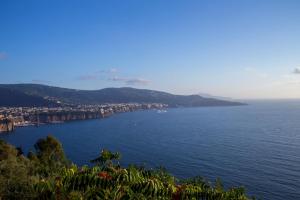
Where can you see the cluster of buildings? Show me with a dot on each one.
(11, 117)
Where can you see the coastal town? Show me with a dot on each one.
(13, 117)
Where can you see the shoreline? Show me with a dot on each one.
(68, 115)
(59, 115)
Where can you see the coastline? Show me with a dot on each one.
(24, 117)
(38, 116)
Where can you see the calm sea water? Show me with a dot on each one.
(257, 146)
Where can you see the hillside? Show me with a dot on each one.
(36, 94)
(11, 97)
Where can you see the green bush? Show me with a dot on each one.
(47, 174)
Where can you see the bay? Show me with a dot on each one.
(257, 146)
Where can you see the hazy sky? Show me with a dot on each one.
(240, 49)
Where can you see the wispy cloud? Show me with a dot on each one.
(137, 81)
(131, 81)
(3, 55)
(111, 75)
(107, 71)
(296, 71)
(39, 81)
(116, 78)
(97, 74)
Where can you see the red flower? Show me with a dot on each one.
(104, 175)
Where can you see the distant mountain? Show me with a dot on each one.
(215, 97)
(10, 97)
(37, 95)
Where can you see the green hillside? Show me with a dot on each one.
(107, 95)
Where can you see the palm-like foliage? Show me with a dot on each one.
(106, 158)
(46, 174)
(113, 182)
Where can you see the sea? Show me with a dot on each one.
(256, 146)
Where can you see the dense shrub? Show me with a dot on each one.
(47, 174)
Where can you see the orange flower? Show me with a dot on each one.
(104, 175)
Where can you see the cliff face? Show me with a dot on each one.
(6, 125)
(65, 116)
(61, 117)
(26, 116)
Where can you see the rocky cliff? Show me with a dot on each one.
(6, 125)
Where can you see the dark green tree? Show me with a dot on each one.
(50, 153)
(15, 174)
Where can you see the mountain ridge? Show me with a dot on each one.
(52, 95)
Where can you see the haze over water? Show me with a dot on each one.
(257, 146)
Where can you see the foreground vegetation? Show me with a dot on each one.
(47, 174)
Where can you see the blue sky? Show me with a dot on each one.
(240, 49)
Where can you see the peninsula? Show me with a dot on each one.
(34, 104)
(29, 95)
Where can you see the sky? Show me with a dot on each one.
(247, 49)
